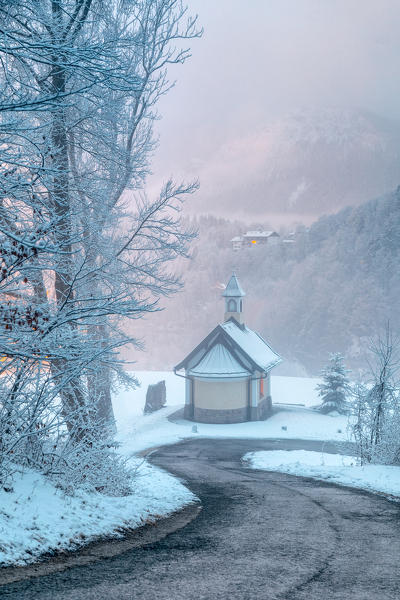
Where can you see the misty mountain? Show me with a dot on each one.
(309, 163)
(340, 286)
(330, 291)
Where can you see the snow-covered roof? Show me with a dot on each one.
(230, 350)
(233, 288)
(252, 344)
(218, 362)
(265, 234)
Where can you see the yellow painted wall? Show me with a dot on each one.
(220, 395)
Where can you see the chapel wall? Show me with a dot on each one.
(220, 395)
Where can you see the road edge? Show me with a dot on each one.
(103, 548)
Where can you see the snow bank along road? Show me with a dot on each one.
(260, 535)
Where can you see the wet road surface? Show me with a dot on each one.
(259, 535)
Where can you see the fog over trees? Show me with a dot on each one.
(298, 165)
(329, 291)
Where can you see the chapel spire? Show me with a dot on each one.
(233, 295)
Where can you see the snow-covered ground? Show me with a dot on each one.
(128, 404)
(149, 431)
(285, 390)
(36, 517)
(335, 468)
(295, 390)
(139, 432)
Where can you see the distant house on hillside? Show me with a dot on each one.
(250, 238)
(237, 242)
(228, 373)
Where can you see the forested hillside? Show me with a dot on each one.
(329, 291)
(306, 163)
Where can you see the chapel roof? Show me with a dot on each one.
(233, 288)
(241, 345)
(218, 362)
(252, 344)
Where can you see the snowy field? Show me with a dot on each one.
(289, 423)
(295, 390)
(285, 390)
(335, 468)
(139, 432)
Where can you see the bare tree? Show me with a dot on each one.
(377, 426)
(81, 79)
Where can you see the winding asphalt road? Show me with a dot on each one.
(259, 535)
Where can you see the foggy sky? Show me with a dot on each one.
(259, 59)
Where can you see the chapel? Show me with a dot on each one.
(227, 375)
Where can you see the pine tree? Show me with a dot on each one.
(335, 386)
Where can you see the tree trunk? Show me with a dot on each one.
(99, 390)
(71, 393)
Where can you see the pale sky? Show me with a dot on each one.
(259, 59)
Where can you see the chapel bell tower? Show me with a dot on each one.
(233, 295)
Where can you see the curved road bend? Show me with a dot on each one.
(259, 535)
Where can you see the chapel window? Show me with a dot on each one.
(231, 306)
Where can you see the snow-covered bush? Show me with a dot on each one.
(29, 417)
(335, 388)
(93, 465)
(35, 435)
(376, 430)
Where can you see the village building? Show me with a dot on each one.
(237, 242)
(227, 375)
(251, 238)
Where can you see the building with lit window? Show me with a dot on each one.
(251, 238)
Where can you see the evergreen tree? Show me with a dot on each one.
(335, 386)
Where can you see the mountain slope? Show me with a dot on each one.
(308, 163)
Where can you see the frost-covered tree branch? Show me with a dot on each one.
(83, 248)
(377, 404)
